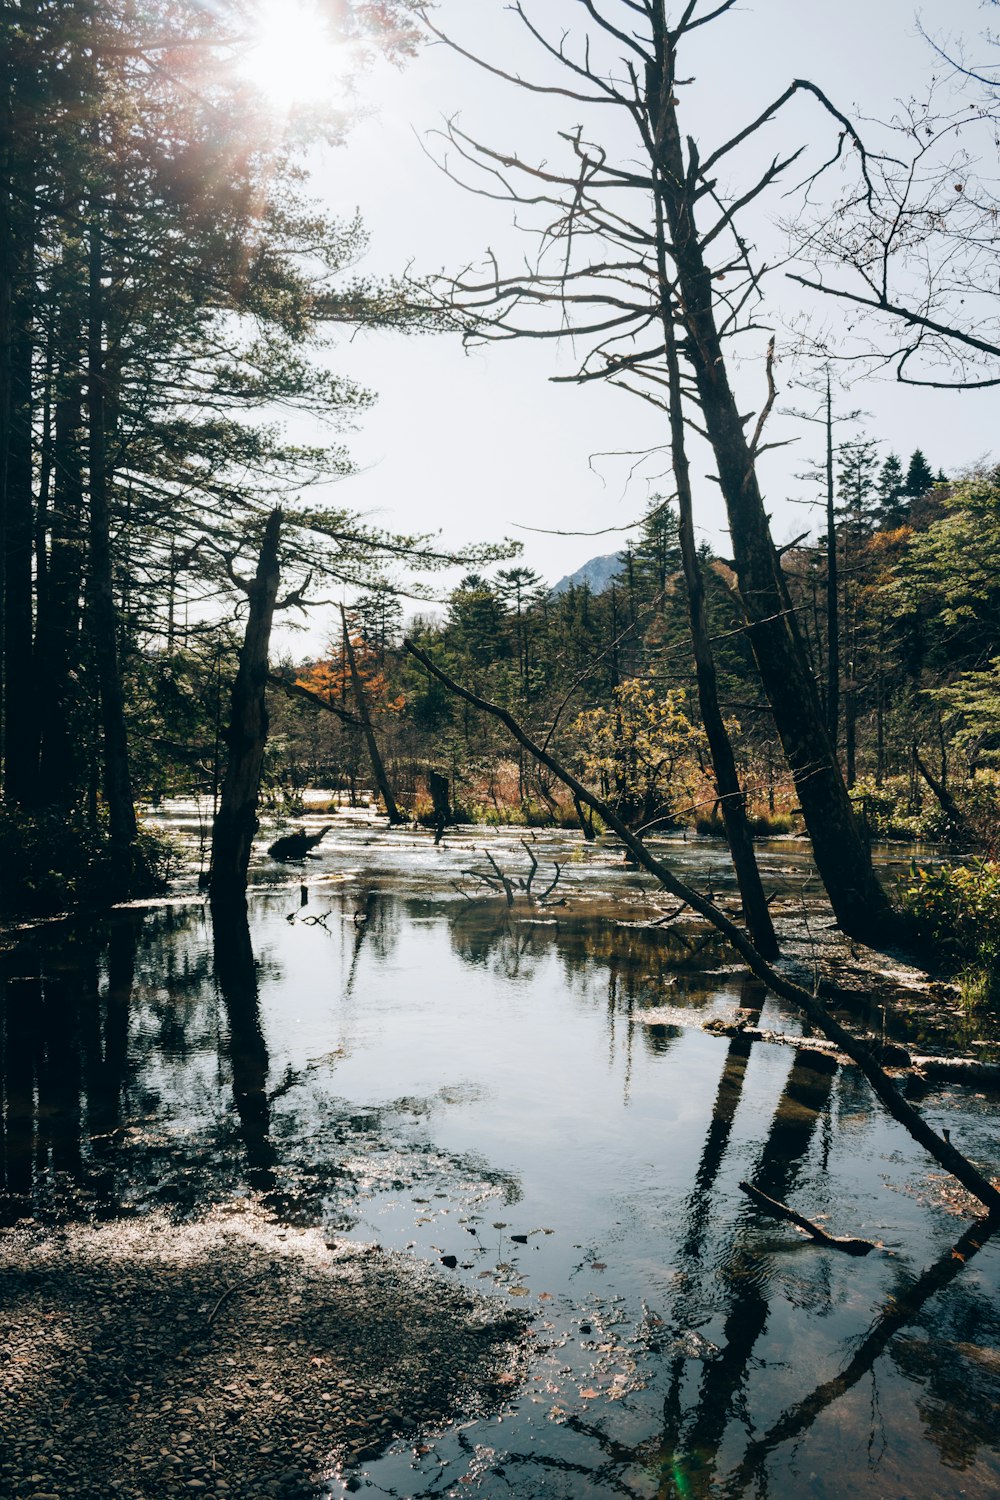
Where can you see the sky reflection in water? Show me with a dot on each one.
(381, 1056)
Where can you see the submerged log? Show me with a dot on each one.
(905, 1066)
(778, 1210)
(296, 845)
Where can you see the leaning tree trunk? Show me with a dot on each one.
(236, 823)
(844, 861)
(734, 808)
(832, 585)
(374, 754)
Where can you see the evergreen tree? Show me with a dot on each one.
(919, 476)
(890, 489)
(856, 489)
(475, 625)
(657, 553)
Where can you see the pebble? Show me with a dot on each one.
(250, 1407)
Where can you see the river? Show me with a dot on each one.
(526, 1100)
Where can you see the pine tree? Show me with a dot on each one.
(891, 489)
(919, 476)
(856, 489)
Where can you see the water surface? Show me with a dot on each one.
(525, 1099)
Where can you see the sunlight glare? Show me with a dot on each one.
(293, 58)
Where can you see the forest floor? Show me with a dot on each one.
(231, 1357)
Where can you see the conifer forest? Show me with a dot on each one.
(499, 749)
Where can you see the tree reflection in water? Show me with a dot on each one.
(64, 1062)
(109, 1031)
(249, 1063)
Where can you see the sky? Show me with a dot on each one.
(480, 445)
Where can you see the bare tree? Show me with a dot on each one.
(633, 245)
(911, 242)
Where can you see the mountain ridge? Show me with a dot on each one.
(597, 573)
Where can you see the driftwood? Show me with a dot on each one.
(510, 885)
(236, 1286)
(943, 1152)
(782, 1211)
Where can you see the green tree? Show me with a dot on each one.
(919, 476)
(643, 752)
(856, 489)
(890, 491)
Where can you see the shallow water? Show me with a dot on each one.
(529, 1096)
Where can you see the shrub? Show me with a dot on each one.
(762, 825)
(955, 910)
(51, 861)
(888, 815)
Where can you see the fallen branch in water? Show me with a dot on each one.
(909, 1066)
(943, 1152)
(782, 1211)
(509, 885)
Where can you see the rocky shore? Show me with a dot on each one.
(230, 1357)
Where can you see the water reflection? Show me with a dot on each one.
(449, 1075)
(249, 1064)
(962, 1415)
(64, 1065)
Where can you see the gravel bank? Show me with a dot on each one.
(229, 1357)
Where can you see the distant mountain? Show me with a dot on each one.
(598, 573)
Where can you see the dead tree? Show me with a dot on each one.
(756, 912)
(608, 229)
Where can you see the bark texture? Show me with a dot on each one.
(236, 823)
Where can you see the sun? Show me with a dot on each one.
(293, 57)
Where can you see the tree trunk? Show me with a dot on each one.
(844, 862)
(20, 744)
(832, 598)
(236, 823)
(961, 830)
(378, 768)
(440, 797)
(734, 807)
(58, 623)
(6, 324)
(102, 613)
